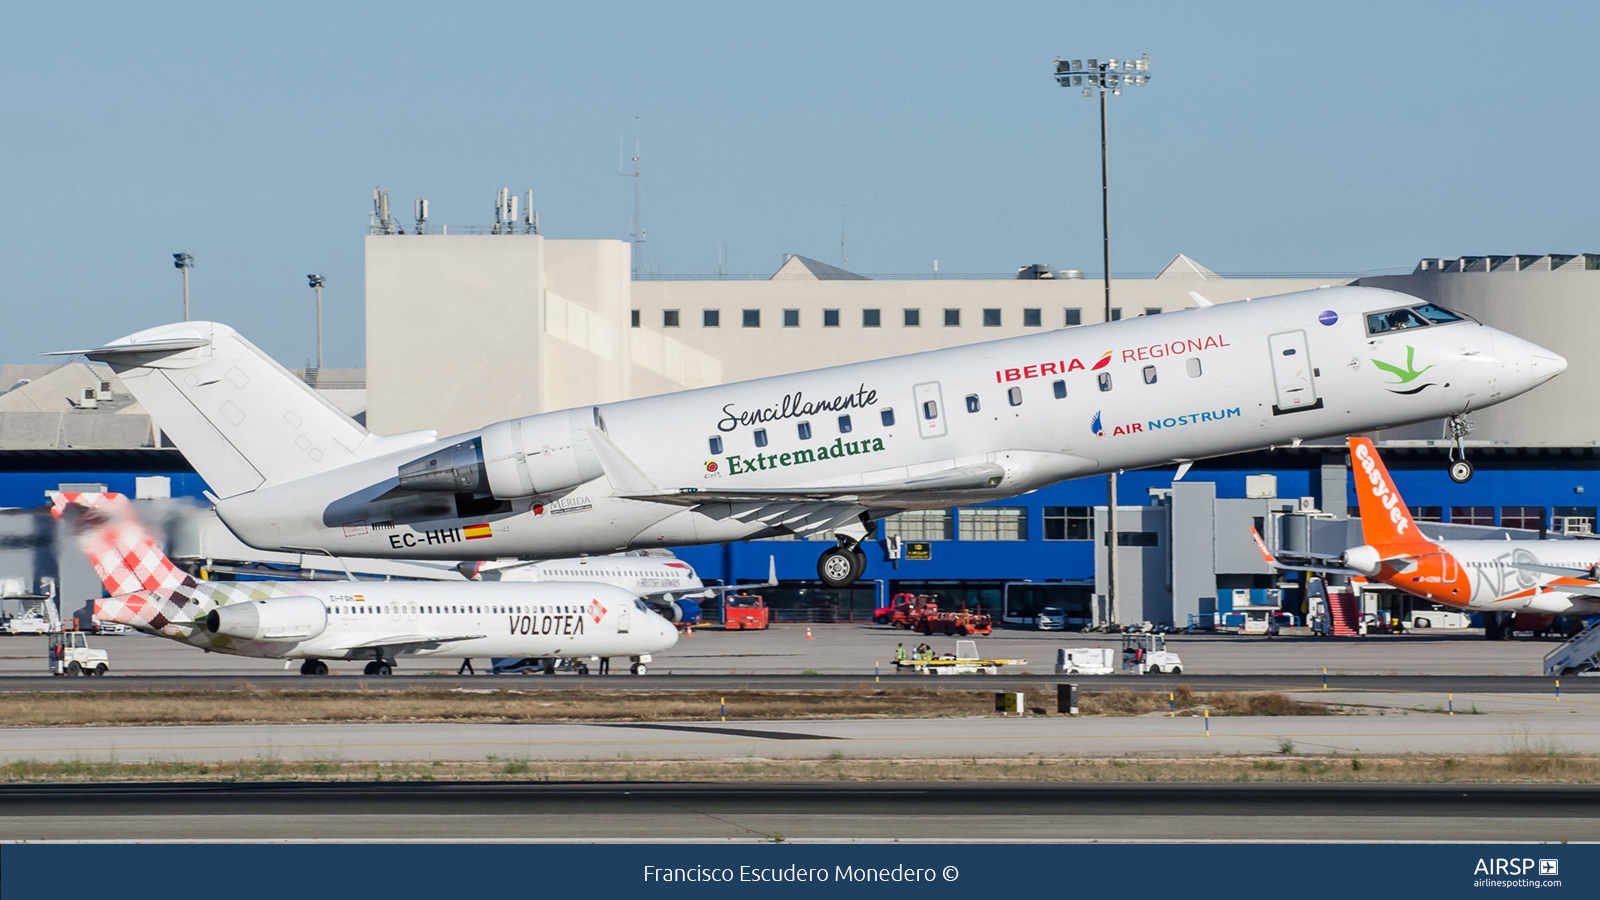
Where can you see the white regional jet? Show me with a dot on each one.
(314, 621)
(834, 448)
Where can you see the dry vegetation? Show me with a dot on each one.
(1528, 766)
(247, 705)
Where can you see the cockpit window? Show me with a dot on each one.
(640, 605)
(1394, 320)
(1435, 314)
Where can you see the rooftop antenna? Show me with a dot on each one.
(382, 221)
(499, 210)
(843, 259)
(421, 215)
(638, 226)
(530, 217)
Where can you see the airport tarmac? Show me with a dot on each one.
(855, 649)
(902, 812)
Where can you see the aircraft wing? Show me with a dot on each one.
(427, 641)
(1588, 590)
(1286, 567)
(1586, 574)
(632, 483)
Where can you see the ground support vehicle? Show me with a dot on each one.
(1052, 618)
(1148, 654)
(28, 623)
(746, 612)
(70, 654)
(904, 609)
(1085, 661)
(964, 661)
(962, 622)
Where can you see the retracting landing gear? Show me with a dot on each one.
(313, 667)
(843, 564)
(1460, 469)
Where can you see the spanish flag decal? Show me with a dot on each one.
(478, 531)
(1102, 363)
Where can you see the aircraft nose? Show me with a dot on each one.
(1525, 365)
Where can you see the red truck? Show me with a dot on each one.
(904, 609)
(961, 622)
(745, 612)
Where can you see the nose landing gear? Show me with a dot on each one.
(1460, 469)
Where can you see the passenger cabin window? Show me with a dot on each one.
(844, 424)
(1149, 374)
(887, 416)
(1014, 396)
(1193, 365)
(805, 431)
(761, 437)
(1105, 381)
(930, 409)
(1060, 387)
(972, 403)
(716, 446)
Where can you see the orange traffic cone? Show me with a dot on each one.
(691, 630)
(808, 632)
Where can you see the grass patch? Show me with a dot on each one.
(249, 705)
(1517, 767)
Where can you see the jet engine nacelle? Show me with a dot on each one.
(525, 457)
(274, 619)
(1364, 559)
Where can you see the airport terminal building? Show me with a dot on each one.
(536, 324)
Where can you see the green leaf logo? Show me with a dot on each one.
(1407, 375)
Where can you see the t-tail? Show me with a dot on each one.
(147, 591)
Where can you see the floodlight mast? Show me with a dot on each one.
(1112, 75)
(316, 282)
(184, 262)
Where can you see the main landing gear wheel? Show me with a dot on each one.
(838, 567)
(639, 668)
(314, 667)
(378, 668)
(1461, 471)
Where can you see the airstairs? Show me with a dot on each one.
(1580, 653)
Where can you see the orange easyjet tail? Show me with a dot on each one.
(1385, 520)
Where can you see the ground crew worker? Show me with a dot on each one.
(605, 665)
(466, 668)
(899, 652)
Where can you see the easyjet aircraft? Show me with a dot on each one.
(315, 621)
(1531, 578)
(826, 450)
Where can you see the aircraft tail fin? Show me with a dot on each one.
(240, 419)
(1385, 519)
(123, 552)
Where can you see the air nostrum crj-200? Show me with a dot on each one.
(830, 449)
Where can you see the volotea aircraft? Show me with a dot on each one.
(315, 621)
(835, 448)
(1534, 579)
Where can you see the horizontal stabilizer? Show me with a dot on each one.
(135, 348)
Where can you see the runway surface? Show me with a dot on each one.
(1572, 728)
(674, 813)
(1439, 684)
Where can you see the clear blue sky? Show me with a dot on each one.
(1274, 137)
